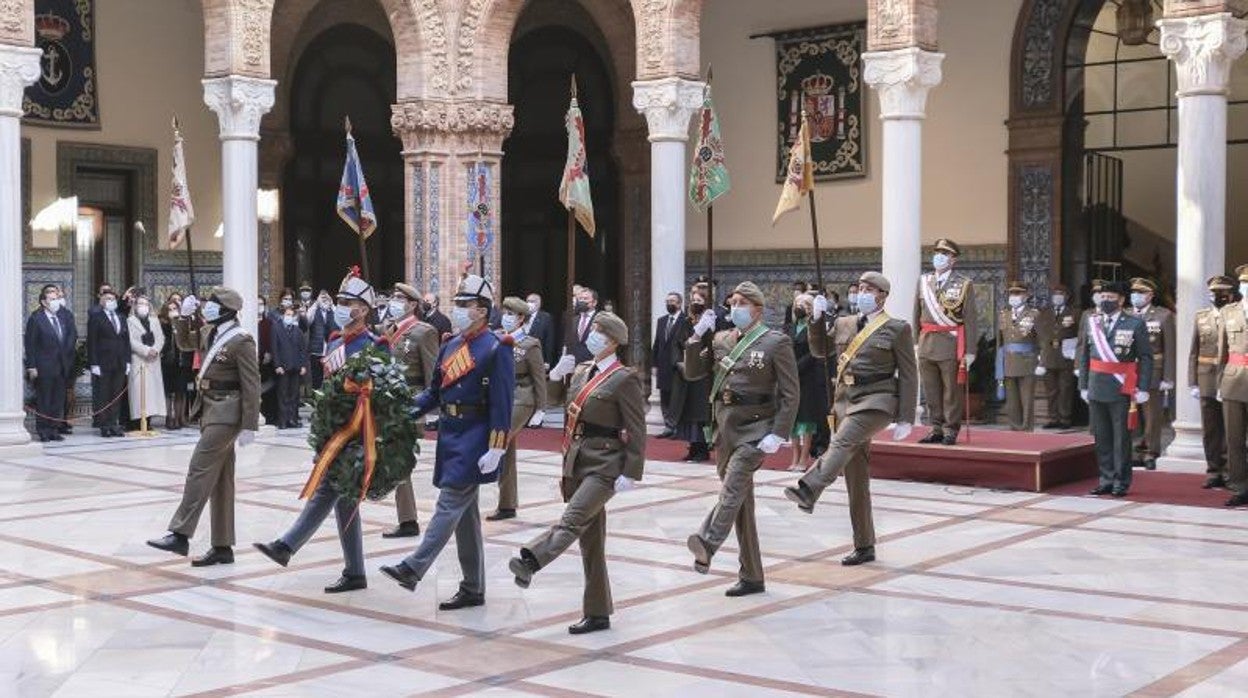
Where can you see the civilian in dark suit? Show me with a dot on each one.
(320, 320)
(108, 355)
(49, 344)
(68, 320)
(290, 363)
(664, 360)
(542, 328)
(268, 378)
(578, 325)
(434, 317)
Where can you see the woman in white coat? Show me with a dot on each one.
(147, 386)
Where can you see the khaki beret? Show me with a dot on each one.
(1241, 272)
(228, 298)
(1019, 287)
(407, 290)
(949, 246)
(512, 304)
(612, 326)
(751, 292)
(876, 279)
(1143, 285)
(1221, 283)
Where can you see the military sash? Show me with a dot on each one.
(574, 407)
(725, 364)
(401, 328)
(217, 345)
(944, 323)
(859, 339)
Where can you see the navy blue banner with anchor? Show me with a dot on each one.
(65, 94)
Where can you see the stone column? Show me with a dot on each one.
(902, 77)
(19, 67)
(668, 104)
(1203, 48)
(239, 103)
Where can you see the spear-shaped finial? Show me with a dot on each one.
(709, 73)
(573, 85)
(175, 125)
(346, 120)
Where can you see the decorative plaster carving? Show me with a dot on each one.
(668, 105)
(1203, 49)
(19, 67)
(239, 103)
(255, 17)
(890, 18)
(433, 35)
(15, 19)
(417, 122)
(1039, 44)
(1035, 239)
(902, 78)
(654, 16)
(469, 23)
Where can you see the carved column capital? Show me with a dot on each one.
(902, 78)
(239, 103)
(1203, 48)
(434, 124)
(19, 67)
(668, 104)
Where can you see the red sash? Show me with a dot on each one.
(574, 409)
(926, 328)
(1128, 370)
(1234, 359)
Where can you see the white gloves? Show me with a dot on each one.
(770, 444)
(567, 363)
(705, 324)
(490, 461)
(1218, 397)
(32, 373)
(1141, 397)
(539, 417)
(246, 438)
(1076, 373)
(1165, 386)
(189, 305)
(1196, 392)
(1068, 354)
(970, 359)
(127, 369)
(1083, 394)
(95, 370)
(820, 307)
(901, 430)
(625, 483)
(1040, 371)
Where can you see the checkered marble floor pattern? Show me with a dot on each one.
(976, 593)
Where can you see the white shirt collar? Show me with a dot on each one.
(606, 363)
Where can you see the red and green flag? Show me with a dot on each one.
(708, 179)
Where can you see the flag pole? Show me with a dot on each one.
(572, 229)
(358, 234)
(190, 248)
(710, 222)
(814, 223)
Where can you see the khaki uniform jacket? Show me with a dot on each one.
(843, 331)
(888, 352)
(957, 298)
(530, 377)
(236, 362)
(417, 349)
(1061, 326)
(1025, 328)
(768, 369)
(1233, 380)
(1202, 364)
(617, 403)
(1161, 335)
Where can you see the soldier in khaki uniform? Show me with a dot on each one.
(876, 383)
(415, 344)
(227, 405)
(754, 398)
(1202, 378)
(1162, 337)
(1233, 384)
(1057, 356)
(530, 397)
(1020, 334)
(944, 312)
(603, 453)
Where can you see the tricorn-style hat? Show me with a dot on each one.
(355, 288)
(474, 288)
(612, 326)
(1098, 285)
(751, 292)
(949, 246)
(228, 298)
(876, 279)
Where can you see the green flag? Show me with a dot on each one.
(708, 179)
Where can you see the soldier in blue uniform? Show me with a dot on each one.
(473, 385)
(351, 313)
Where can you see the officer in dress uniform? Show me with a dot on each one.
(1115, 370)
(227, 405)
(754, 398)
(415, 344)
(1233, 384)
(530, 397)
(1058, 357)
(474, 385)
(351, 313)
(877, 383)
(603, 453)
(1162, 337)
(944, 312)
(1202, 378)
(1020, 335)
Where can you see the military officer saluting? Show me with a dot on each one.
(415, 344)
(1202, 378)
(1057, 356)
(877, 383)
(754, 397)
(1233, 383)
(1162, 337)
(1022, 332)
(530, 397)
(1115, 371)
(227, 405)
(603, 453)
(944, 312)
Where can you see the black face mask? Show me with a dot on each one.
(1220, 299)
(426, 308)
(1110, 307)
(581, 307)
(672, 308)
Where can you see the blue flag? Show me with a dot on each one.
(480, 213)
(355, 203)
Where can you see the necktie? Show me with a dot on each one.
(584, 321)
(112, 317)
(862, 322)
(671, 322)
(593, 372)
(56, 325)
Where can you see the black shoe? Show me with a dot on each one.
(744, 588)
(217, 556)
(402, 574)
(524, 568)
(1214, 483)
(701, 556)
(951, 439)
(1052, 425)
(1119, 492)
(55, 436)
(502, 515)
(175, 543)
(1063, 425)
(1238, 500)
(105, 433)
(1137, 464)
(798, 495)
(859, 556)
(590, 624)
(406, 529)
(667, 434)
(691, 456)
(275, 551)
(1150, 464)
(65, 429)
(43, 438)
(935, 437)
(462, 599)
(1101, 489)
(347, 583)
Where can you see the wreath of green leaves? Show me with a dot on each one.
(392, 399)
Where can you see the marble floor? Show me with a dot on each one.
(976, 593)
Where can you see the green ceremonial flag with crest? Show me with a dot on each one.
(708, 179)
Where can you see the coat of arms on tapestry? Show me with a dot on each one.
(65, 94)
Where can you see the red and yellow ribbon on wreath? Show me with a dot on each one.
(361, 421)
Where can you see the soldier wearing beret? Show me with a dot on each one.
(754, 398)
(1161, 337)
(944, 312)
(603, 453)
(529, 400)
(1202, 378)
(227, 405)
(1233, 383)
(1057, 356)
(1020, 335)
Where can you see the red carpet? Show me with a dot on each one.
(1158, 488)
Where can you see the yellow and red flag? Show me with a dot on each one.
(800, 175)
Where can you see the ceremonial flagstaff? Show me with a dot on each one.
(708, 179)
(480, 224)
(574, 190)
(355, 203)
(799, 181)
(181, 210)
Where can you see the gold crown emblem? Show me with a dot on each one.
(818, 84)
(51, 27)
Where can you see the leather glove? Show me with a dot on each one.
(770, 444)
(901, 430)
(567, 363)
(970, 359)
(1196, 392)
(820, 307)
(95, 370)
(1040, 371)
(246, 438)
(1083, 394)
(539, 417)
(32, 373)
(705, 324)
(491, 460)
(1141, 397)
(625, 483)
(189, 305)
(1165, 386)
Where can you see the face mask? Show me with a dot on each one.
(461, 319)
(1096, 299)
(143, 311)
(326, 303)
(510, 322)
(55, 304)
(287, 302)
(110, 306)
(596, 343)
(741, 316)
(1243, 290)
(866, 303)
(342, 315)
(1058, 299)
(1017, 301)
(289, 320)
(533, 307)
(581, 306)
(940, 261)
(305, 295)
(1109, 307)
(672, 308)
(1219, 299)
(262, 309)
(212, 311)
(398, 307)
(1138, 300)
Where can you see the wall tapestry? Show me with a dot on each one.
(65, 94)
(819, 70)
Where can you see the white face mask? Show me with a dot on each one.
(342, 315)
(398, 307)
(510, 322)
(867, 303)
(110, 306)
(305, 295)
(940, 261)
(533, 306)
(597, 343)
(56, 304)
(1139, 300)
(1096, 300)
(461, 319)
(1017, 301)
(1058, 300)
(143, 310)
(212, 311)
(289, 320)
(1243, 290)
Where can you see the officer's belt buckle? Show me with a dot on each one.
(727, 397)
(849, 379)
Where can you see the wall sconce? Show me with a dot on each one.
(268, 206)
(60, 216)
(1135, 21)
